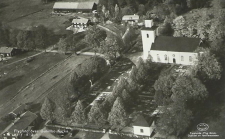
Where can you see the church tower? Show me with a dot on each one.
(148, 34)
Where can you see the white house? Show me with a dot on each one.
(130, 19)
(142, 127)
(167, 49)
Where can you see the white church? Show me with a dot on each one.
(167, 49)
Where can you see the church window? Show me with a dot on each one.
(190, 58)
(147, 35)
(141, 130)
(166, 57)
(158, 58)
(182, 58)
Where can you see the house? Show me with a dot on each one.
(167, 49)
(142, 127)
(7, 51)
(130, 19)
(85, 7)
(20, 127)
(81, 22)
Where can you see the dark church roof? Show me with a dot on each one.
(176, 44)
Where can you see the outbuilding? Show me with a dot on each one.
(85, 7)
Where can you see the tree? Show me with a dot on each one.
(60, 115)
(110, 48)
(142, 73)
(121, 85)
(97, 114)
(94, 37)
(12, 37)
(208, 68)
(174, 120)
(189, 88)
(118, 115)
(78, 115)
(127, 99)
(41, 37)
(62, 45)
(165, 84)
(47, 110)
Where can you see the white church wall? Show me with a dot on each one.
(143, 131)
(173, 57)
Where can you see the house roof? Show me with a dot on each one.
(140, 121)
(6, 49)
(73, 5)
(176, 44)
(81, 20)
(130, 17)
(25, 120)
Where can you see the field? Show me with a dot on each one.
(33, 81)
(24, 14)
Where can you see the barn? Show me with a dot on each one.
(85, 7)
(7, 51)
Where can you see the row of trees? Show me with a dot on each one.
(35, 38)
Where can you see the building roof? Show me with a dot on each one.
(176, 44)
(151, 28)
(73, 5)
(140, 121)
(6, 49)
(25, 120)
(81, 20)
(130, 17)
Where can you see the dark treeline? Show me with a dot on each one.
(38, 37)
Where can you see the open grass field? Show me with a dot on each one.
(43, 80)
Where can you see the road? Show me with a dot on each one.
(41, 86)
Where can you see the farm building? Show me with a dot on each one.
(130, 19)
(22, 123)
(85, 7)
(81, 22)
(167, 49)
(7, 51)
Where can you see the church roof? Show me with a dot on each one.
(140, 121)
(176, 44)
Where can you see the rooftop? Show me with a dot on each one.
(6, 49)
(176, 44)
(81, 20)
(130, 17)
(140, 121)
(151, 28)
(73, 5)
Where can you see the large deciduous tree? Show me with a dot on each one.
(189, 88)
(174, 120)
(208, 68)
